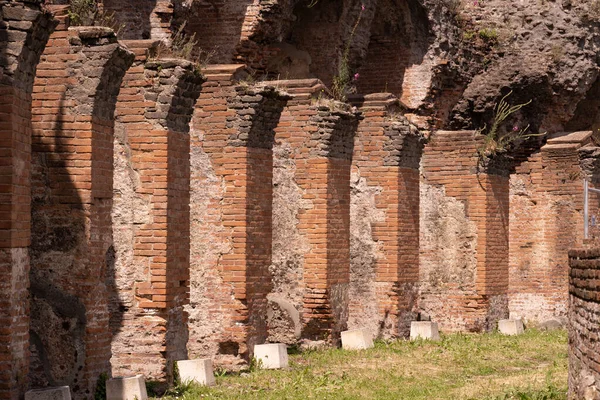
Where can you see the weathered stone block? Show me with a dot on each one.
(357, 339)
(511, 326)
(424, 330)
(57, 393)
(271, 356)
(131, 388)
(199, 371)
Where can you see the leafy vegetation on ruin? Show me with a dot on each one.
(532, 366)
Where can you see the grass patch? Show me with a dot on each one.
(532, 366)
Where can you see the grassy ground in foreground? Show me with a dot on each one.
(532, 366)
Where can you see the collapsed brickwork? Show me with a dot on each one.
(169, 215)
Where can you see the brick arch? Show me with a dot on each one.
(231, 200)
(24, 34)
(74, 99)
(149, 278)
(399, 39)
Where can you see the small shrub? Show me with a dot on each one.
(88, 13)
(100, 392)
(342, 81)
(488, 34)
(495, 142)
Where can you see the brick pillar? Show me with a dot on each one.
(24, 31)
(75, 91)
(149, 280)
(464, 235)
(584, 353)
(231, 203)
(384, 219)
(311, 214)
(546, 220)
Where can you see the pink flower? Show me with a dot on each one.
(356, 76)
(475, 3)
(362, 7)
(515, 128)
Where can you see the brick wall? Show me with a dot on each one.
(584, 366)
(546, 219)
(149, 278)
(140, 19)
(384, 219)
(231, 200)
(24, 31)
(464, 235)
(74, 97)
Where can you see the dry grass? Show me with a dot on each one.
(490, 366)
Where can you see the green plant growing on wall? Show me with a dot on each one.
(494, 142)
(88, 13)
(343, 78)
(186, 47)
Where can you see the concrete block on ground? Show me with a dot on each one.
(424, 330)
(357, 339)
(511, 326)
(198, 371)
(56, 393)
(131, 388)
(271, 356)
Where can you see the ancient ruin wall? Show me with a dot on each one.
(231, 201)
(149, 276)
(464, 235)
(546, 214)
(584, 303)
(384, 220)
(75, 92)
(137, 20)
(24, 31)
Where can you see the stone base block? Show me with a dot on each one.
(271, 356)
(424, 330)
(511, 326)
(57, 393)
(357, 339)
(198, 371)
(133, 388)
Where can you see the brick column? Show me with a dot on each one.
(24, 31)
(384, 219)
(75, 91)
(584, 353)
(312, 216)
(546, 220)
(149, 280)
(464, 235)
(231, 203)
